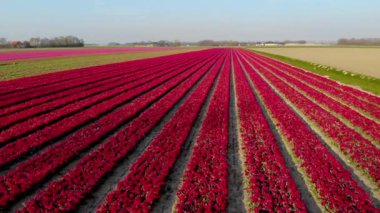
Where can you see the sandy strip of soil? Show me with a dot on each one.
(358, 60)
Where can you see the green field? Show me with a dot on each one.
(13, 70)
(364, 82)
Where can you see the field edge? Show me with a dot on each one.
(364, 82)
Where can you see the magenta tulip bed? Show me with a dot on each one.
(22, 55)
(174, 133)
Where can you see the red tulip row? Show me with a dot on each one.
(27, 83)
(142, 186)
(59, 196)
(50, 89)
(111, 112)
(20, 86)
(85, 85)
(78, 111)
(344, 90)
(351, 143)
(336, 188)
(204, 185)
(32, 54)
(75, 102)
(103, 85)
(45, 104)
(14, 150)
(39, 101)
(53, 88)
(21, 179)
(145, 179)
(348, 98)
(271, 187)
(370, 127)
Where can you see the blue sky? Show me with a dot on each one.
(102, 21)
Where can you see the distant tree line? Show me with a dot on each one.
(208, 43)
(359, 41)
(37, 42)
(161, 43)
(176, 43)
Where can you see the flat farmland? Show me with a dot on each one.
(50, 53)
(361, 60)
(23, 63)
(216, 130)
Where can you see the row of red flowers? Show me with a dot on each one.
(48, 89)
(81, 93)
(31, 54)
(204, 186)
(27, 83)
(350, 142)
(367, 125)
(41, 88)
(145, 179)
(105, 102)
(334, 88)
(39, 101)
(60, 196)
(34, 170)
(115, 98)
(271, 187)
(336, 189)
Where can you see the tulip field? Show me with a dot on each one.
(50, 53)
(215, 130)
